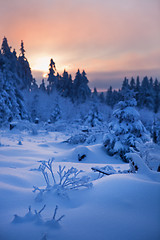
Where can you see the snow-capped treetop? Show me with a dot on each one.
(6, 50)
(22, 51)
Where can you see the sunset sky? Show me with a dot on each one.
(110, 39)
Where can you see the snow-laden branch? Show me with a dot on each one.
(65, 180)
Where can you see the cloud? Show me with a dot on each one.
(103, 80)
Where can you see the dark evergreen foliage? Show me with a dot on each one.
(95, 94)
(147, 93)
(81, 91)
(51, 75)
(42, 86)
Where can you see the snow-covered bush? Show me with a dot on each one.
(91, 139)
(77, 138)
(125, 129)
(20, 142)
(34, 130)
(56, 114)
(66, 179)
(35, 217)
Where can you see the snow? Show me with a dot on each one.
(119, 206)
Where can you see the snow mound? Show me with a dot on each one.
(80, 153)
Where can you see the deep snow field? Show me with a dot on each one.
(116, 207)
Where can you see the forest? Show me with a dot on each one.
(22, 99)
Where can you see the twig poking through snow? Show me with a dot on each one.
(37, 218)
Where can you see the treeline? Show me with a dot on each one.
(16, 78)
(77, 89)
(16, 69)
(146, 92)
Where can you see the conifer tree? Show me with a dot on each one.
(137, 87)
(125, 129)
(11, 101)
(95, 94)
(125, 83)
(42, 86)
(56, 114)
(137, 91)
(8, 56)
(85, 90)
(1, 61)
(81, 91)
(132, 84)
(77, 82)
(101, 97)
(93, 118)
(51, 75)
(66, 84)
(5, 49)
(109, 97)
(156, 87)
(34, 86)
(146, 94)
(24, 70)
(22, 51)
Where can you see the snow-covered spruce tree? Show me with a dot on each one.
(95, 95)
(146, 94)
(34, 105)
(155, 132)
(125, 129)
(109, 97)
(93, 118)
(112, 97)
(8, 61)
(11, 100)
(81, 91)
(66, 88)
(42, 86)
(51, 76)
(156, 87)
(5, 112)
(24, 70)
(56, 114)
(101, 97)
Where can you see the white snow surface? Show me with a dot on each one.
(119, 206)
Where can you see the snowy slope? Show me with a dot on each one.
(120, 206)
